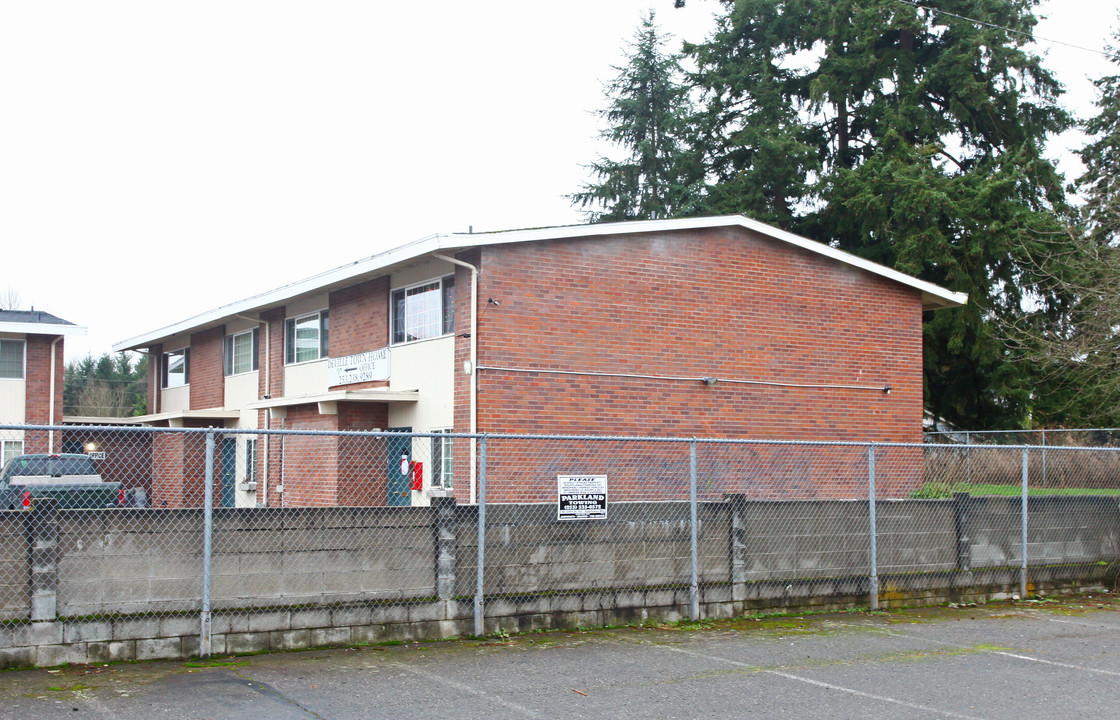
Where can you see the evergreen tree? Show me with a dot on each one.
(106, 386)
(647, 116)
(910, 136)
(1077, 351)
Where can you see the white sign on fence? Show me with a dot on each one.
(363, 367)
(581, 497)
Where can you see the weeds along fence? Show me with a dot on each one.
(224, 540)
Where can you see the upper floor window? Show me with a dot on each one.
(175, 370)
(241, 352)
(11, 359)
(424, 311)
(305, 337)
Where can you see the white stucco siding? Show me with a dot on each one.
(309, 378)
(240, 390)
(427, 366)
(420, 272)
(13, 401)
(176, 399)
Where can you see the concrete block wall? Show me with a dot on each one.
(125, 584)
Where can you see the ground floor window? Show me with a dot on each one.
(441, 460)
(10, 449)
(250, 460)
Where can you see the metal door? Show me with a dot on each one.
(229, 471)
(399, 451)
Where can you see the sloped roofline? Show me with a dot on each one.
(933, 296)
(37, 322)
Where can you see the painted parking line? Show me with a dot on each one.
(990, 651)
(821, 684)
(463, 687)
(1083, 623)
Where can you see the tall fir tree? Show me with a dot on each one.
(1077, 351)
(647, 116)
(908, 135)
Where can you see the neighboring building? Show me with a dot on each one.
(709, 327)
(31, 372)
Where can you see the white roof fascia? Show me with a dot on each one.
(380, 396)
(936, 295)
(42, 328)
(98, 420)
(287, 292)
(933, 296)
(212, 414)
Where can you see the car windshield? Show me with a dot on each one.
(52, 465)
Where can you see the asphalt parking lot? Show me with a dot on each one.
(1046, 659)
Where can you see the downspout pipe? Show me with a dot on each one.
(474, 364)
(50, 411)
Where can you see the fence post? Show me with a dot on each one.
(694, 586)
(479, 615)
(873, 579)
(41, 528)
(1023, 514)
(207, 533)
(447, 542)
(737, 543)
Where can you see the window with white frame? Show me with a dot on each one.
(241, 352)
(250, 459)
(441, 460)
(175, 370)
(11, 359)
(10, 449)
(305, 337)
(423, 311)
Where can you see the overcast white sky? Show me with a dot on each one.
(159, 159)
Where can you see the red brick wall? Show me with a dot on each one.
(179, 470)
(208, 381)
(38, 374)
(360, 321)
(155, 365)
(270, 382)
(723, 303)
(333, 469)
(309, 461)
(362, 462)
(37, 398)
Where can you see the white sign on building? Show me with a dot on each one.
(363, 367)
(581, 497)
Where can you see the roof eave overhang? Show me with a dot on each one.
(374, 396)
(42, 328)
(934, 297)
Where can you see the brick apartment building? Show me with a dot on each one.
(32, 345)
(706, 327)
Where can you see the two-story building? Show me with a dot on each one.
(32, 345)
(711, 327)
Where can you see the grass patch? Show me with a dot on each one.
(933, 491)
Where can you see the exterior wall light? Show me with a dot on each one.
(709, 381)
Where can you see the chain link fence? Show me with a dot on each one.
(218, 534)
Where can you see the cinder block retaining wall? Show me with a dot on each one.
(121, 584)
